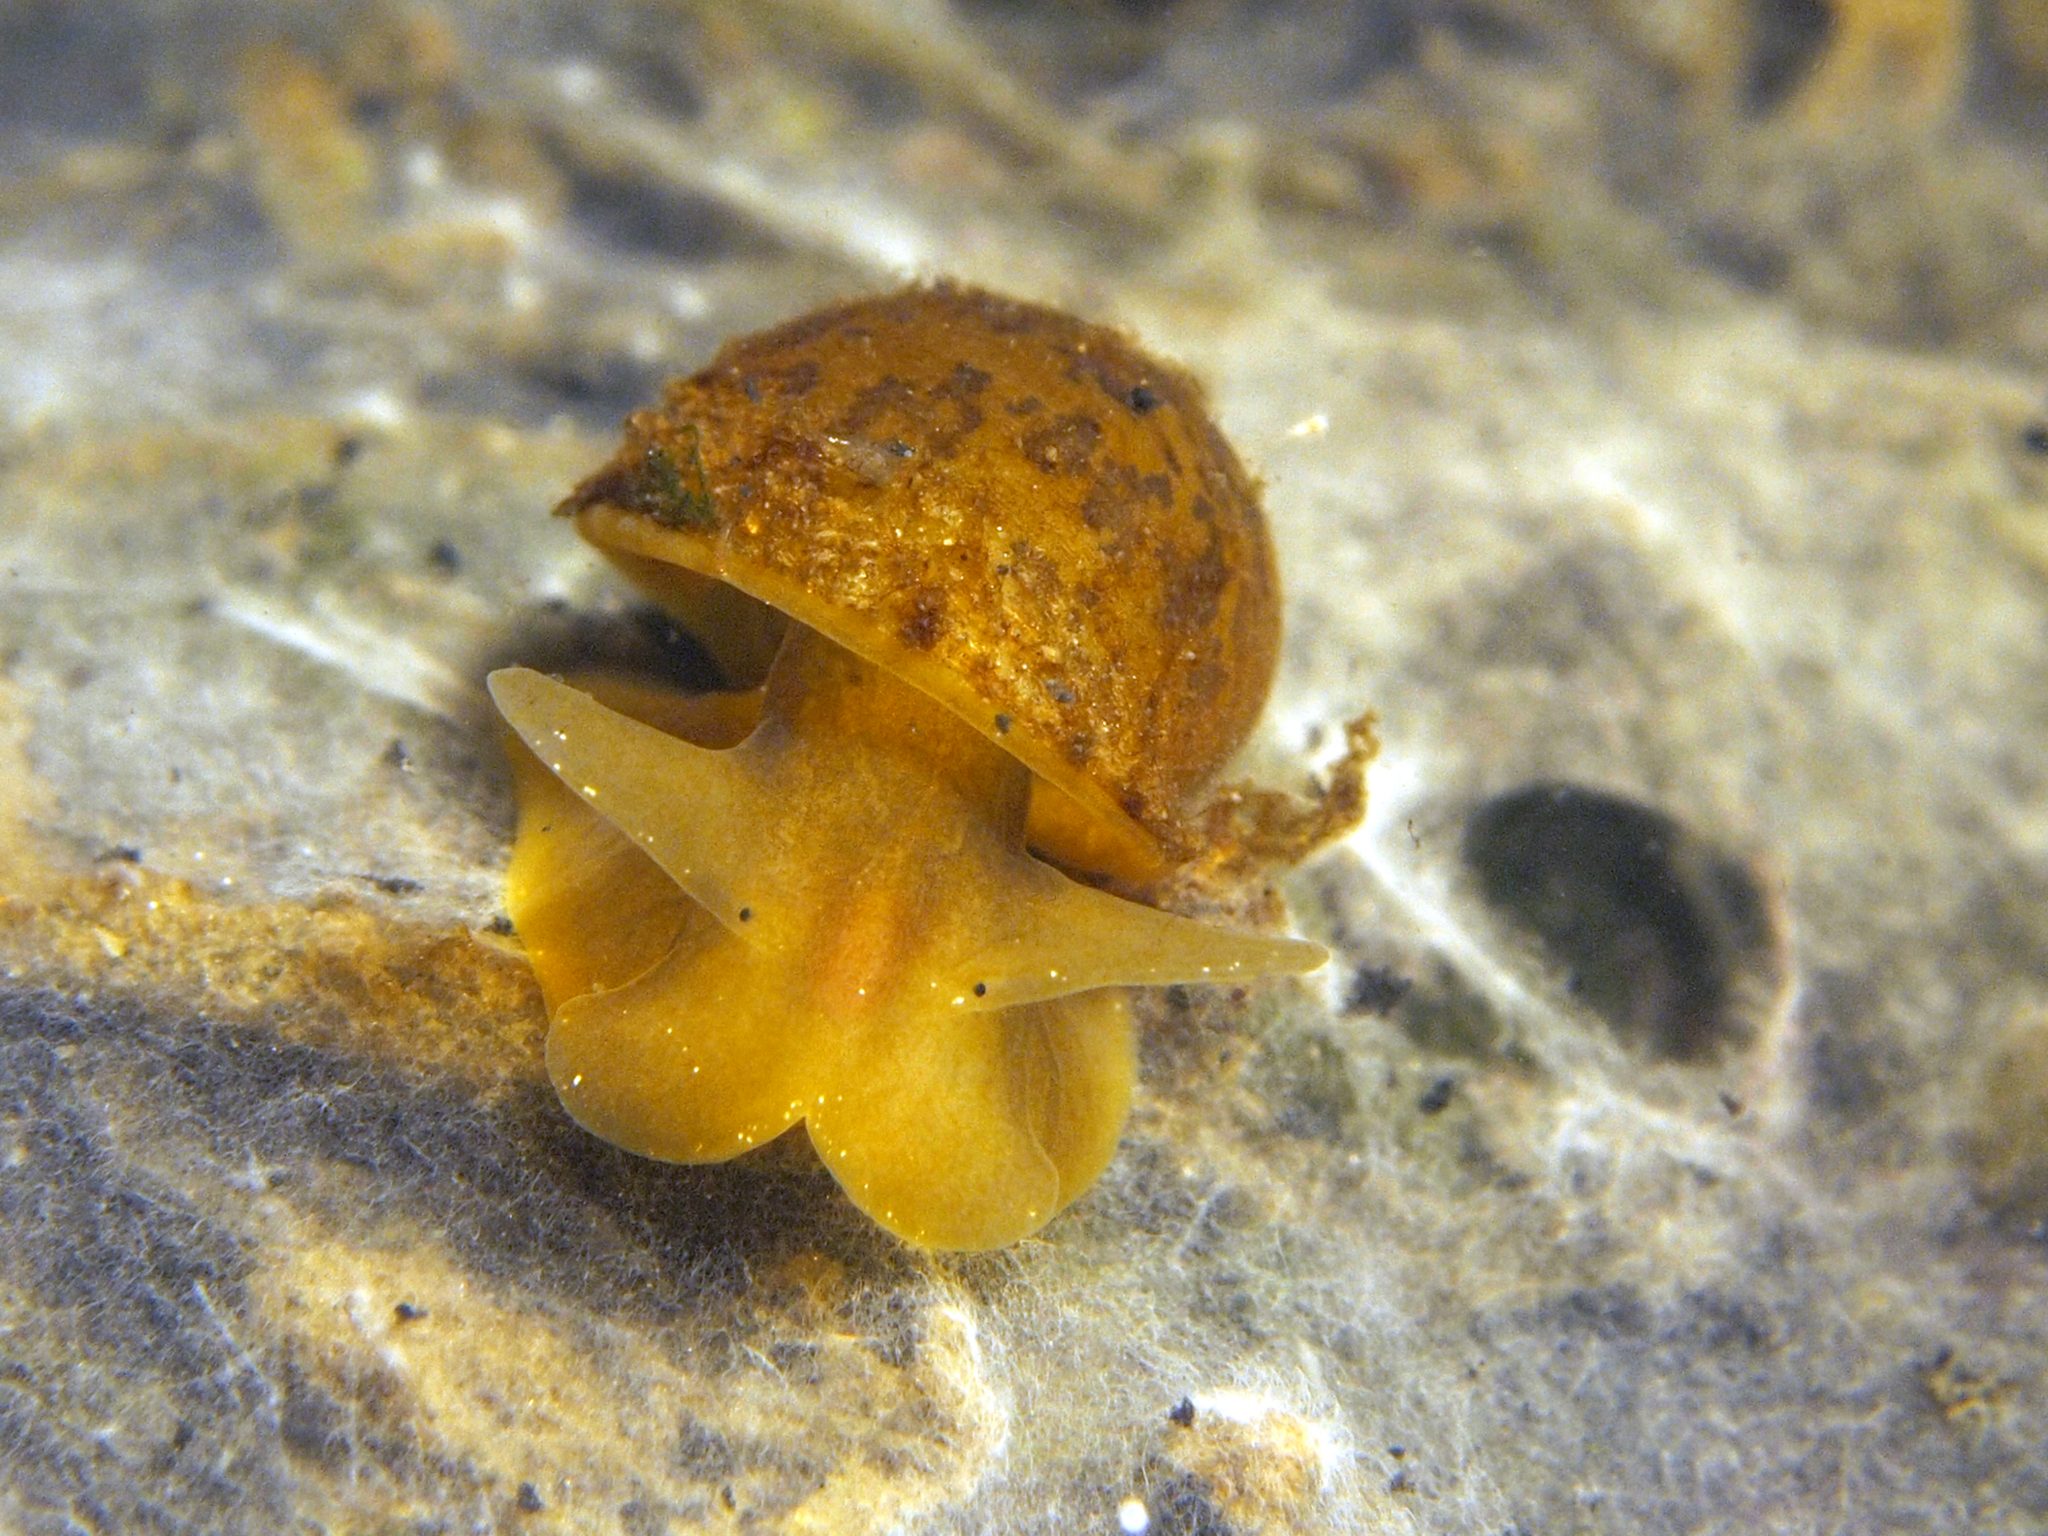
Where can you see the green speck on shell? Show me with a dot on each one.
(673, 495)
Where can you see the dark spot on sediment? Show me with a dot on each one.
(1851, 1068)
(1669, 939)
(1002, 725)
(1307, 1080)
(312, 1423)
(1182, 1413)
(1751, 257)
(1142, 400)
(1436, 1098)
(2034, 437)
(1181, 1504)
(702, 1452)
(1375, 990)
(1789, 38)
(981, 989)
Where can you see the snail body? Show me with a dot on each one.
(1010, 590)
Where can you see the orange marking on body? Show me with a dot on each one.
(860, 954)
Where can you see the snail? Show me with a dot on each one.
(999, 601)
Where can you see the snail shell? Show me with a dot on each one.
(1015, 511)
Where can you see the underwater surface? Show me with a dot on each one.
(1649, 404)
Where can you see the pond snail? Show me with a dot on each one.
(996, 582)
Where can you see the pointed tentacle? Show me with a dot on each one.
(694, 811)
(1051, 937)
